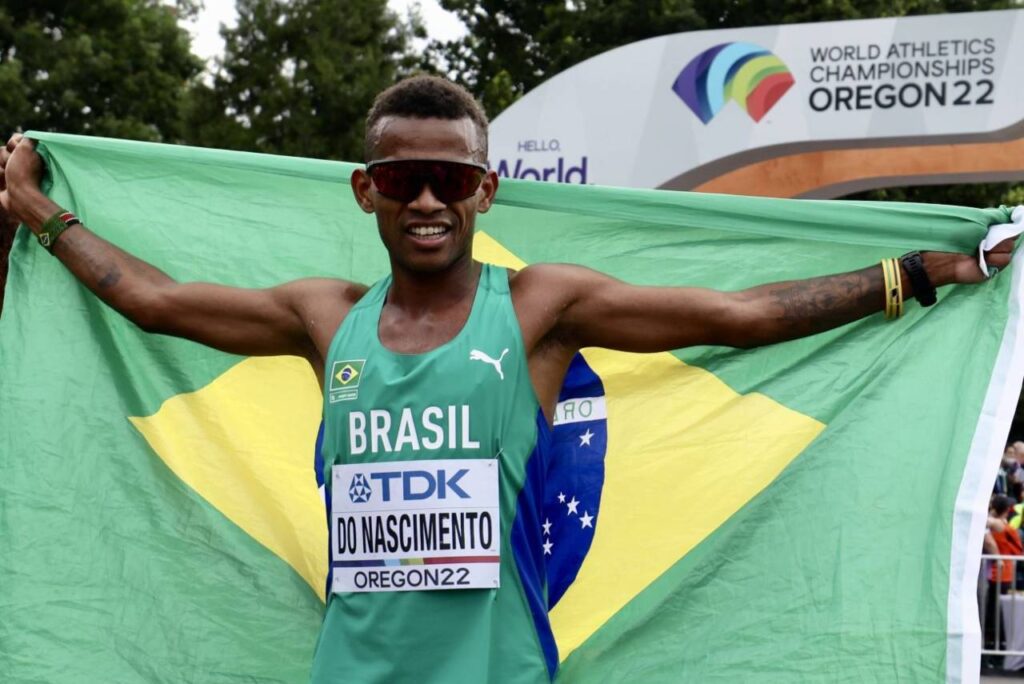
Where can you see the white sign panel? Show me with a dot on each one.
(677, 110)
(415, 525)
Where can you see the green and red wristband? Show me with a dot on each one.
(54, 226)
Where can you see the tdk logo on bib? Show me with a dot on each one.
(410, 485)
(359, 491)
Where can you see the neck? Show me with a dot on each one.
(424, 292)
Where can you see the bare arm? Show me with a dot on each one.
(989, 544)
(242, 321)
(600, 311)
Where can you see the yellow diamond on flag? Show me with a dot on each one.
(675, 433)
(245, 443)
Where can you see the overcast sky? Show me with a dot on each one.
(206, 41)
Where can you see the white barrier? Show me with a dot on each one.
(1005, 637)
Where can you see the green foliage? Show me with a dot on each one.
(739, 14)
(298, 77)
(974, 195)
(514, 45)
(1013, 197)
(105, 67)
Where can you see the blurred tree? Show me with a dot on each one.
(974, 195)
(511, 46)
(1014, 196)
(297, 77)
(737, 14)
(105, 67)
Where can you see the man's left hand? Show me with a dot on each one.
(967, 270)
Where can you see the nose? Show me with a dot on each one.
(426, 202)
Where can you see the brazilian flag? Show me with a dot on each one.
(810, 511)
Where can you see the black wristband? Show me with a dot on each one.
(924, 291)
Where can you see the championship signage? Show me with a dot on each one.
(415, 525)
(709, 109)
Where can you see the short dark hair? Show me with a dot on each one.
(425, 97)
(1000, 503)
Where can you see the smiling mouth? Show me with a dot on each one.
(428, 232)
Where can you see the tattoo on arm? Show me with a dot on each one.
(109, 280)
(87, 263)
(811, 306)
(111, 273)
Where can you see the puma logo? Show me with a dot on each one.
(477, 355)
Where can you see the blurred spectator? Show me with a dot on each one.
(1008, 467)
(1015, 472)
(1001, 572)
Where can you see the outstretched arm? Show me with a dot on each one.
(241, 321)
(604, 312)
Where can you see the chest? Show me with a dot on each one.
(408, 334)
(451, 402)
(464, 397)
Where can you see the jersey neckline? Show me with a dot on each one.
(470, 319)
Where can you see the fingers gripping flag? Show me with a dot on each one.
(807, 511)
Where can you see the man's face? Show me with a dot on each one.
(402, 224)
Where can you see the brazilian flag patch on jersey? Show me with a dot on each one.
(345, 377)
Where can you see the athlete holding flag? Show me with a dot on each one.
(440, 382)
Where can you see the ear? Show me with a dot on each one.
(361, 188)
(488, 189)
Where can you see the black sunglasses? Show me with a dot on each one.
(403, 179)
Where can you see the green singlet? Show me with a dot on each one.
(405, 515)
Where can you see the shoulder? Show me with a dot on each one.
(327, 300)
(313, 291)
(544, 294)
(559, 288)
(322, 304)
(553, 281)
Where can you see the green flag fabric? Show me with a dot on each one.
(811, 511)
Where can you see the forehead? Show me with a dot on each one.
(408, 138)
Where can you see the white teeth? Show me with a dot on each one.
(426, 231)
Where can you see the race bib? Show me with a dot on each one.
(415, 525)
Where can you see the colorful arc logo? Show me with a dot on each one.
(747, 73)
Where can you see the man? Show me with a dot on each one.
(459, 366)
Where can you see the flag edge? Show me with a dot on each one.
(963, 638)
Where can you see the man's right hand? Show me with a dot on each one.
(7, 219)
(21, 172)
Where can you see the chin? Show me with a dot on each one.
(428, 263)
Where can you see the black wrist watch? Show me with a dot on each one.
(924, 291)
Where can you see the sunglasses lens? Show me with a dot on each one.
(396, 182)
(404, 180)
(452, 182)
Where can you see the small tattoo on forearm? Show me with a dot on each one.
(110, 279)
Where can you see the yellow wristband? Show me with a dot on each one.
(893, 283)
(887, 287)
(899, 287)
